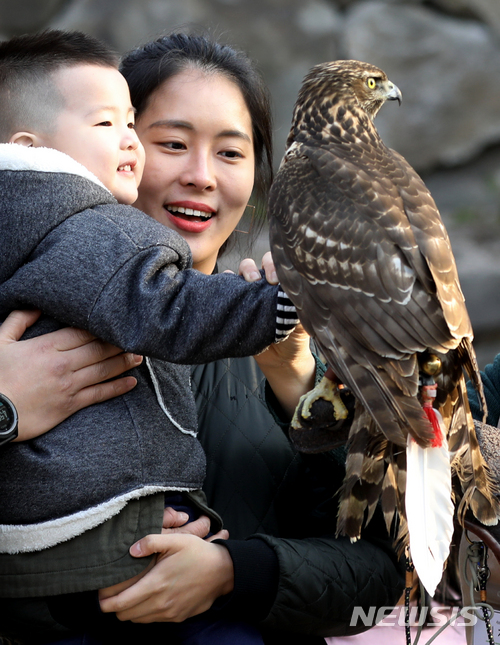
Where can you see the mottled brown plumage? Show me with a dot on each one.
(360, 248)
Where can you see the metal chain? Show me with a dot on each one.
(408, 587)
(477, 554)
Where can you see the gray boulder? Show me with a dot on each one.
(445, 68)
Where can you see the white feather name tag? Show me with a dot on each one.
(429, 509)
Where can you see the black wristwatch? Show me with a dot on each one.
(8, 420)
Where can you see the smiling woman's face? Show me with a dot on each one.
(200, 163)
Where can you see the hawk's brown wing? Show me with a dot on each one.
(433, 243)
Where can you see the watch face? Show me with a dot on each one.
(8, 416)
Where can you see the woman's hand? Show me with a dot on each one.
(248, 269)
(50, 377)
(187, 576)
(289, 366)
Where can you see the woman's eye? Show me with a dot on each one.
(131, 126)
(173, 145)
(107, 124)
(231, 154)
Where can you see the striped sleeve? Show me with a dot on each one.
(286, 316)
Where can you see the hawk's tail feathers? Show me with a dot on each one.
(365, 470)
(393, 493)
(395, 414)
(467, 357)
(479, 489)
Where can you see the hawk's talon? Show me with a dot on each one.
(327, 390)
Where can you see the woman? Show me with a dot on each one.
(203, 117)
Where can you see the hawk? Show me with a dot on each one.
(361, 250)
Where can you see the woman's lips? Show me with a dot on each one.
(191, 212)
(187, 219)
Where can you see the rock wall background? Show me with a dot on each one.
(443, 54)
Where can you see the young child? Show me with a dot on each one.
(76, 498)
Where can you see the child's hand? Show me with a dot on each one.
(176, 522)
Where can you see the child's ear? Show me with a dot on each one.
(25, 139)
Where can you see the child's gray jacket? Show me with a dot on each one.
(70, 250)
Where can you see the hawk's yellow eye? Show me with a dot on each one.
(372, 84)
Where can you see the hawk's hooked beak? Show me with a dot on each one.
(393, 93)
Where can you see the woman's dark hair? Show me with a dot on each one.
(148, 67)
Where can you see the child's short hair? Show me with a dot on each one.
(28, 97)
